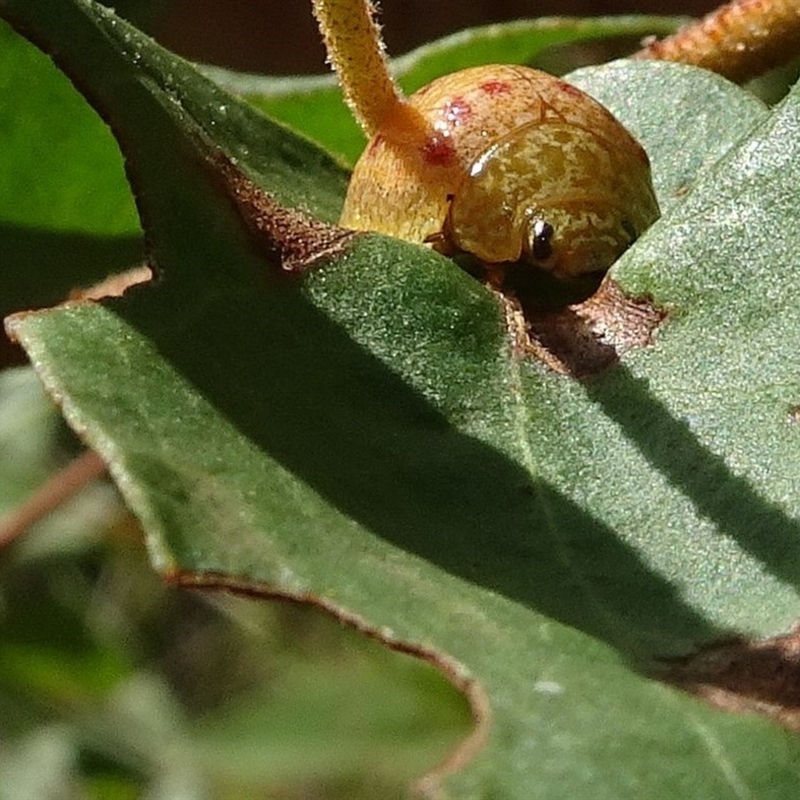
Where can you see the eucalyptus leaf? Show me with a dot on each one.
(61, 169)
(707, 116)
(366, 437)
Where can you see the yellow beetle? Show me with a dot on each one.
(516, 165)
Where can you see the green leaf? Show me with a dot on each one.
(314, 104)
(705, 130)
(365, 437)
(61, 168)
(66, 214)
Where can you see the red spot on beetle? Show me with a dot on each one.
(569, 89)
(457, 111)
(495, 87)
(438, 151)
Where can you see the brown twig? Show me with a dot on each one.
(740, 40)
(59, 488)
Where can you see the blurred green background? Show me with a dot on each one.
(113, 685)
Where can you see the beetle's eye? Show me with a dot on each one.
(541, 244)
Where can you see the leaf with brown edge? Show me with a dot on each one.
(479, 704)
(584, 339)
(741, 676)
(364, 435)
(289, 235)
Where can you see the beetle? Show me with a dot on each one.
(515, 165)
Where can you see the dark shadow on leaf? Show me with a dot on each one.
(758, 526)
(299, 388)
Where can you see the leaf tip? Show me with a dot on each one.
(289, 236)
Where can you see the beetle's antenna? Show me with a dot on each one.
(357, 53)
